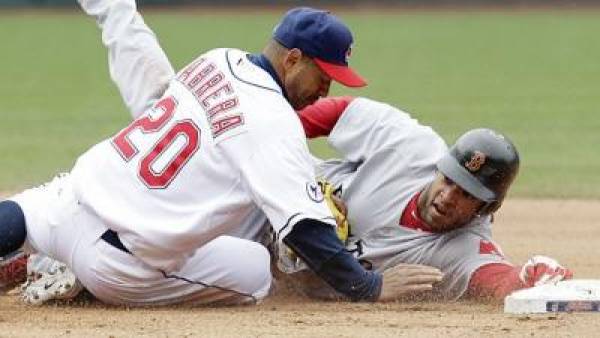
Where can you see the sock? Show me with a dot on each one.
(12, 227)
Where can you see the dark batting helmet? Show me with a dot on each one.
(484, 163)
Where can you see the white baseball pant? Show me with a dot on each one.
(227, 270)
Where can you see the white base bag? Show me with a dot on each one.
(576, 295)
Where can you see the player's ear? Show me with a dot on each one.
(291, 58)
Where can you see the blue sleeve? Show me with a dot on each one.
(318, 246)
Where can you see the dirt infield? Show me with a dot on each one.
(566, 230)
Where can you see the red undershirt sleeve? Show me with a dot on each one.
(495, 280)
(319, 118)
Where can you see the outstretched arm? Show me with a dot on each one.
(498, 280)
(137, 64)
(319, 247)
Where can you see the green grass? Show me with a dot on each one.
(533, 75)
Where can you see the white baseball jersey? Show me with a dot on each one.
(227, 270)
(388, 158)
(219, 145)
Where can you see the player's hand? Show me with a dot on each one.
(540, 270)
(405, 280)
(338, 209)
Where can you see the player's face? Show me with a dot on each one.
(445, 206)
(305, 83)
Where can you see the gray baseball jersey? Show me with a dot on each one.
(388, 157)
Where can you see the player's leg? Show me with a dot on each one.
(43, 270)
(22, 218)
(13, 270)
(227, 270)
(53, 224)
(13, 261)
(12, 227)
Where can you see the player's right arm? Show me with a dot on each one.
(137, 63)
(319, 247)
(281, 180)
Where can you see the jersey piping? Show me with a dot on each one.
(245, 81)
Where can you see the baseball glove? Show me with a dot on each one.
(338, 209)
(540, 270)
(287, 260)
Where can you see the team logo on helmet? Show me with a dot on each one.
(477, 160)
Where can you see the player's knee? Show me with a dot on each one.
(12, 227)
(254, 271)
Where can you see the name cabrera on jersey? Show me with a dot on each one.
(219, 144)
(395, 159)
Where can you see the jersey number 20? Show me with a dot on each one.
(185, 129)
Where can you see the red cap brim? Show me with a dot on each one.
(342, 74)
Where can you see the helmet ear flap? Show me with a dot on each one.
(490, 208)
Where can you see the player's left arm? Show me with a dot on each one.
(279, 176)
(498, 280)
(137, 64)
(277, 169)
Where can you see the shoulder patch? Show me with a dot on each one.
(313, 190)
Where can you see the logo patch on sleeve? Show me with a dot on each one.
(313, 190)
(489, 248)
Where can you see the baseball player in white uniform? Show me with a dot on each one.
(143, 217)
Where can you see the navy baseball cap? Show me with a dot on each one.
(324, 38)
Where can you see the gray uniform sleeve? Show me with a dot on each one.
(457, 253)
(459, 256)
(387, 157)
(137, 64)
